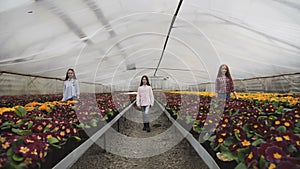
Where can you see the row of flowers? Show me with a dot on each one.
(287, 100)
(255, 133)
(29, 132)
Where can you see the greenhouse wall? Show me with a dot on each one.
(18, 84)
(278, 84)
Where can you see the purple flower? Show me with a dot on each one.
(274, 153)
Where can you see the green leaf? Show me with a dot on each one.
(262, 162)
(297, 124)
(237, 135)
(272, 118)
(242, 153)
(17, 158)
(109, 112)
(228, 142)
(262, 118)
(212, 138)
(29, 125)
(224, 148)
(246, 128)
(281, 129)
(10, 152)
(21, 166)
(5, 124)
(6, 127)
(78, 126)
(20, 132)
(46, 129)
(258, 142)
(197, 129)
(291, 148)
(77, 138)
(38, 164)
(20, 111)
(188, 119)
(296, 130)
(241, 166)
(53, 140)
(258, 135)
(57, 146)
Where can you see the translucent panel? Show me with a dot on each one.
(115, 42)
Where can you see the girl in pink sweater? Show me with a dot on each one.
(145, 100)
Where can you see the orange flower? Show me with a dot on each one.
(44, 107)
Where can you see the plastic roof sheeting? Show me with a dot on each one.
(117, 41)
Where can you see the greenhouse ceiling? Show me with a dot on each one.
(116, 41)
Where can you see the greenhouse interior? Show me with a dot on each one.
(203, 84)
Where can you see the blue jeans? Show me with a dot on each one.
(145, 111)
(224, 95)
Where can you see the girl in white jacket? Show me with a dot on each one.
(145, 100)
(71, 86)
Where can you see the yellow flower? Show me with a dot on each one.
(286, 137)
(24, 149)
(41, 154)
(4, 109)
(272, 166)
(2, 139)
(34, 152)
(5, 145)
(246, 143)
(250, 156)
(62, 133)
(277, 155)
(287, 124)
(28, 161)
(277, 122)
(278, 138)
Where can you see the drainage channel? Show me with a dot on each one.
(123, 144)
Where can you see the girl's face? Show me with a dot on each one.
(70, 74)
(224, 69)
(144, 80)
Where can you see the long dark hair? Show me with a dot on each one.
(141, 84)
(227, 74)
(67, 76)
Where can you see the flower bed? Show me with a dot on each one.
(32, 134)
(257, 131)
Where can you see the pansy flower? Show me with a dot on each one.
(274, 153)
